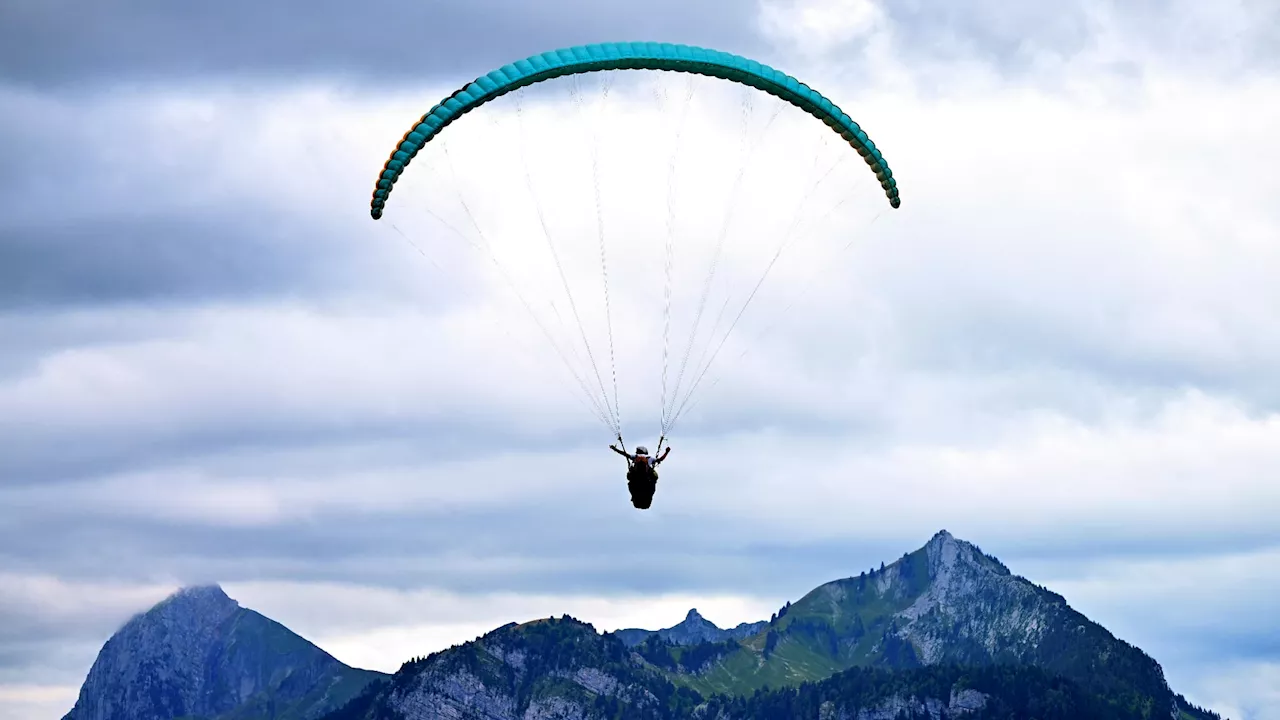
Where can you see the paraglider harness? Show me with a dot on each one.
(642, 476)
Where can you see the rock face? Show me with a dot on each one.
(199, 654)
(971, 609)
(974, 611)
(693, 630)
(557, 668)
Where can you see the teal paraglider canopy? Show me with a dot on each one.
(628, 56)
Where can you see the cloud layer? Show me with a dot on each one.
(217, 368)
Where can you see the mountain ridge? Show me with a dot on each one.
(943, 632)
(563, 668)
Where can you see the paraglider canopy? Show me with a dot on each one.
(628, 56)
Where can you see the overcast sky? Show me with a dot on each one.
(217, 368)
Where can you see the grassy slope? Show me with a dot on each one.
(836, 626)
(850, 623)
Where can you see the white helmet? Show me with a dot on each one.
(642, 450)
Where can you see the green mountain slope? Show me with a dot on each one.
(946, 603)
(562, 669)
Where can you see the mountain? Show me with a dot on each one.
(945, 631)
(551, 668)
(198, 654)
(942, 633)
(693, 630)
(946, 603)
(562, 668)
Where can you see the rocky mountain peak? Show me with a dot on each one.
(968, 588)
(203, 594)
(186, 620)
(207, 602)
(694, 629)
(198, 653)
(947, 558)
(947, 602)
(943, 542)
(947, 555)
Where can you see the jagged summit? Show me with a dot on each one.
(197, 610)
(945, 555)
(971, 552)
(694, 629)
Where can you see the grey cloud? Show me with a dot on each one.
(1115, 38)
(25, 635)
(70, 41)
(580, 534)
(1004, 343)
(32, 335)
(458, 547)
(169, 257)
(62, 656)
(1007, 35)
(132, 210)
(44, 456)
(1120, 543)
